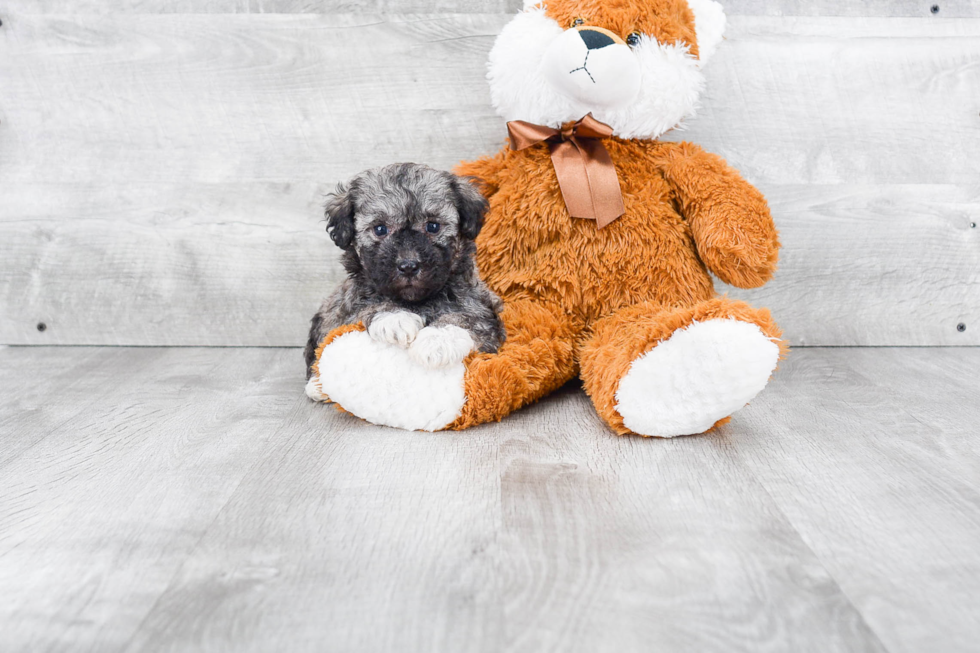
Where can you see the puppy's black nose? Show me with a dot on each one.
(408, 267)
(595, 40)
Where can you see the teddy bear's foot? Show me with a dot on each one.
(678, 371)
(313, 389)
(383, 384)
(700, 375)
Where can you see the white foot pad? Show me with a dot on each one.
(701, 374)
(313, 389)
(382, 384)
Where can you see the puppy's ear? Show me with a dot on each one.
(339, 210)
(471, 206)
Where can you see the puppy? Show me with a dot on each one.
(407, 233)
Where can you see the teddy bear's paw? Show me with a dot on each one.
(701, 374)
(441, 346)
(395, 328)
(383, 384)
(313, 389)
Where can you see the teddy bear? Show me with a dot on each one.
(600, 239)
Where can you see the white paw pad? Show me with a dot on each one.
(701, 374)
(441, 346)
(395, 328)
(313, 389)
(383, 384)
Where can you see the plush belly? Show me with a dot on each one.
(531, 248)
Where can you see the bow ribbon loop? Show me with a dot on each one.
(586, 173)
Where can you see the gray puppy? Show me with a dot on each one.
(407, 233)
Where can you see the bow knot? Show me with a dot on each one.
(586, 173)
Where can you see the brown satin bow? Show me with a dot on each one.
(585, 170)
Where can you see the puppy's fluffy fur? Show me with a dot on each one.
(407, 233)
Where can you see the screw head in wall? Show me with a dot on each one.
(934, 9)
(42, 327)
(961, 327)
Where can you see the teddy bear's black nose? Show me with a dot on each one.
(595, 40)
(408, 267)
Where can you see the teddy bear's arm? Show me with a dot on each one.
(729, 218)
(485, 171)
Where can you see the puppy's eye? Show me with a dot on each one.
(380, 230)
(633, 39)
(432, 227)
(577, 22)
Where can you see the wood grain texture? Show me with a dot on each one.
(163, 173)
(878, 468)
(316, 98)
(27, 416)
(348, 537)
(42, 7)
(875, 265)
(97, 515)
(219, 264)
(896, 8)
(625, 544)
(201, 502)
(241, 264)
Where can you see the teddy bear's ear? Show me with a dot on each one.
(339, 210)
(709, 25)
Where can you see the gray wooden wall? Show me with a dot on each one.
(162, 162)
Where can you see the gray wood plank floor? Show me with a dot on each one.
(193, 499)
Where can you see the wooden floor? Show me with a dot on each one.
(194, 499)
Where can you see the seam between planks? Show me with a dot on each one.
(750, 469)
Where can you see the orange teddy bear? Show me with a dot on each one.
(599, 238)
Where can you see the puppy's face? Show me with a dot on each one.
(406, 226)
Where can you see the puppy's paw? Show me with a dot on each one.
(396, 328)
(441, 346)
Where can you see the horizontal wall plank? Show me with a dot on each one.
(221, 264)
(875, 265)
(290, 98)
(42, 7)
(845, 101)
(947, 9)
(247, 264)
(236, 98)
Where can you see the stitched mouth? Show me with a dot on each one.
(583, 67)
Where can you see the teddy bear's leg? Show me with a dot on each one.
(537, 358)
(658, 372)
(382, 384)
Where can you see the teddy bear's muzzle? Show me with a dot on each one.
(593, 67)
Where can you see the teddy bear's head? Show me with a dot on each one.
(634, 64)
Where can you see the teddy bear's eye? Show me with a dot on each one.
(432, 227)
(380, 230)
(633, 39)
(577, 22)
